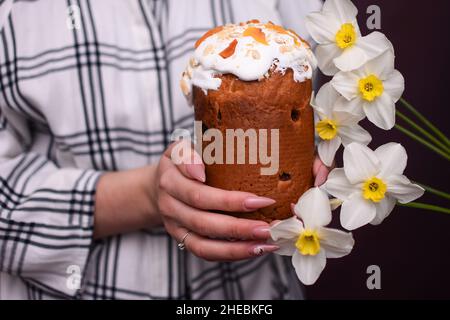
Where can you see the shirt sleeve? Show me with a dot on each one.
(46, 212)
(5, 9)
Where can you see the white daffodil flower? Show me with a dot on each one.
(335, 203)
(307, 240)
(371, 183)
(372, 90)
(340, 44)
(335, 127)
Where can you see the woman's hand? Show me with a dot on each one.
(175, 196)
(185, 204)
(320, 172)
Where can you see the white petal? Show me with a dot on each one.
(384, 208)
(327, 150)
(344, 10)
(381, 66)
(351, 59)
(393, 158)
(354, 133)
(354, 106)
(338, 185)
(326, 98)
(357, 212)
(336, 243)
(325, 54)
(402, 189)
(286, 229)
(373, 45)
(394, 85)
(360, 163)
(309, 268)
(345, 118)
(381, 112)
(287, 247)
(346, 83)
(314, 208)
(322, 27)
(335, 203)
(319, 112)
(365, 49)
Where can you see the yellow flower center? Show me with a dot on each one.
(327, 129)
(374, 189)
(346, 36)
(308, 243)
(371, 87)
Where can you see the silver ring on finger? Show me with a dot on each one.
(182, 243)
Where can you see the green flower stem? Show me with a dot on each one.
(434, 191)
(438, 132)
(426, 206)
(422, 141)
(424, 132)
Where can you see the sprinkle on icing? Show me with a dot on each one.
(257, 34)
(248, 51)
(208, 34)
(229, 51)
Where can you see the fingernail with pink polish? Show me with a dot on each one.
(292, 207)
(253, 203)
(261, 232)
(321, 176)
(261, 249)
(197, 172)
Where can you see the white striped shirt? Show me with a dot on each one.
(92, 86)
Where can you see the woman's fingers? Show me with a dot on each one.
(189, 164)
(316, 165)
(320, 171)
(321, 177)
(213, 224)
(184, 201)
(219, 250)
(204, 197)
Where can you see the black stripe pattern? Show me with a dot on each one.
(92, 86)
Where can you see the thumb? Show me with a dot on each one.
(187, 160)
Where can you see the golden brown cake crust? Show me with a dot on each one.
(276, 102)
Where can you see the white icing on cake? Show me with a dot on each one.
(251, 59)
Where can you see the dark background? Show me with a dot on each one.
(412, 247)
